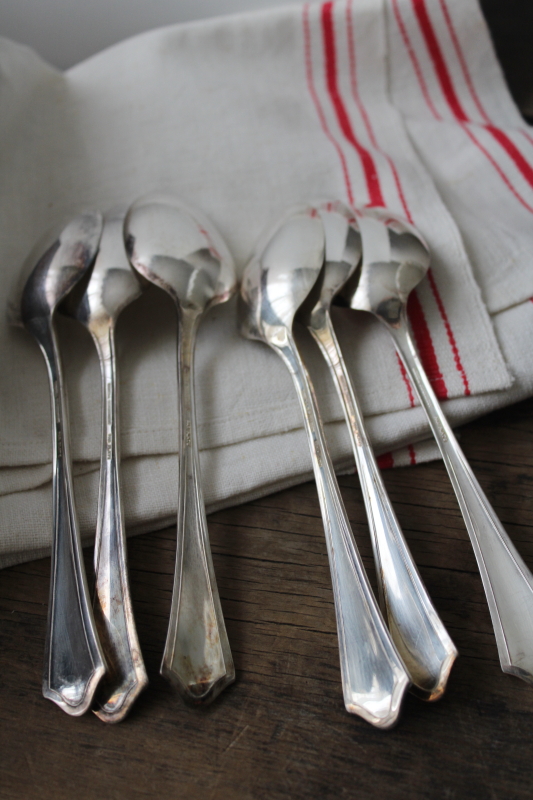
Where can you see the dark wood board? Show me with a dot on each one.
(281, 732)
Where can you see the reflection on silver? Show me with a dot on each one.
(422, 640)
(395, 259)
(112, 286)
(276, 282)
(181, 253)
(74, 662)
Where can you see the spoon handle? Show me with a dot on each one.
(197, 657)
(126, 676)
(506, 579)
(74, 662)
(422, 640)
(374, 679)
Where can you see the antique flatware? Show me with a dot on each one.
(112, 286)
(426, 649)
(74, 661)
(179, 251)
(395, 260)
(276, 282)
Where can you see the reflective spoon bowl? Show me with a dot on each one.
(276, 282)
(112, 286)
(74, 661)
(395, 260)
(422, 640)
(179, 251)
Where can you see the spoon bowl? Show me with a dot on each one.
(179, 250)
(395, 260)
(61, 267)
(274, 288)
(113, 285)
(342, 252)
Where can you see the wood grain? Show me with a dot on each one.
(281, 732)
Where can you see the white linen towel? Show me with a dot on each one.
(243, 116)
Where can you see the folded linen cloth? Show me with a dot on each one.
(244, 117)
(469, 134)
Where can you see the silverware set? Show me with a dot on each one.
(367, 259)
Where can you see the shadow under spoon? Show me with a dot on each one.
(179, 251)
(112, 286)
(422, 640)
(276, 282)
(74, 661)
(395, 260)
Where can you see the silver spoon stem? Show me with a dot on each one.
(422, 640)
(373, 676)
(197, 657)
(506, 579)
(113, 610)
(74, 662)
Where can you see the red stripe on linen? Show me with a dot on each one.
(435, 54)
(385, 461)
(318, 107)
(412, 455)
(407, 382)
(414, 60)
(367, 162)
(449, 333)
(527, 136)
(462, 61)
(498, 169)
(363, 112)
(400, 190)
(425, 346)
(445, 80)
(353, 75)
(498, 134)
(512, 151)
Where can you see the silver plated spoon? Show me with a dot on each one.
(112, 286)
(74, 661)
(276, 282)
(179, 251)
(422, 640)
(395, 260)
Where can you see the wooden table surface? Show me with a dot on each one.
(281, 731)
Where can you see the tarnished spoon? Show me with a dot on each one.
(422, 640)
(74, 661)
(395, 260)
(112, 286)
(276, 282)
(180, 252)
